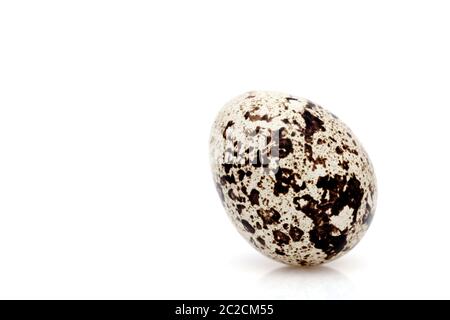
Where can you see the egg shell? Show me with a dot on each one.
(293, 178)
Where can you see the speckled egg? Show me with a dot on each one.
(293, 178)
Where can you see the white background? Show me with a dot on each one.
(105, 112)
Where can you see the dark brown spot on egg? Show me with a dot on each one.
(296, 201)
(270, 216)
(261, 241)
(323, 238)
(227, 179)
(280, 237)
(285, 144)
(232, 195)
(298, 126)
(341, 193)
(344, 164)
(241, 174)
(348, 149)
(225, 131)
(247, 226)
(256, 117)
(312, 125)
(338, 192)
(285, 179)
(254, 197)
(309, 153)
(319, 160)
(227, 167)
(295, 233)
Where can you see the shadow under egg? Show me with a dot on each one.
(319, 282)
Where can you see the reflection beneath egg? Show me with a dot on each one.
(320, 282)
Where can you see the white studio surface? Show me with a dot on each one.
(105, 114)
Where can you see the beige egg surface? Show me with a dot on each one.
(293, 178)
